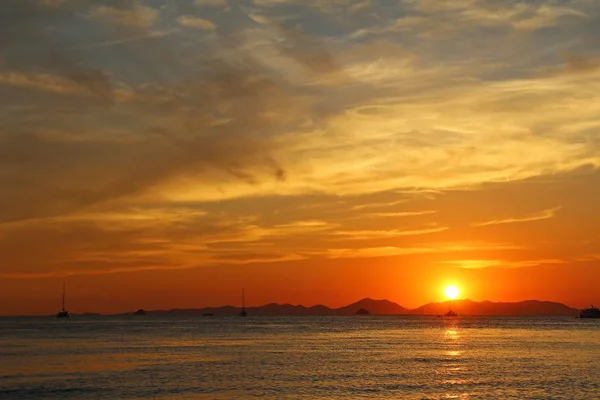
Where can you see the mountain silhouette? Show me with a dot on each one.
(386, 307)
(469, 307)
(380, 307)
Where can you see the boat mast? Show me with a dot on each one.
(243, 313)
(63, 302)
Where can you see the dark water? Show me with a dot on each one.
(299, 357)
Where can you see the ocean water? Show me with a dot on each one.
(299, 358)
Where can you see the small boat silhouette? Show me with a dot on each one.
(591, 312)
(63, 313)
(451, 312)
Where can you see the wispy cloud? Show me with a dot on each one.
(378, 205)
(478, 264)
(129, 14)
(403, 213)
(544, 214)
(104, 271)
(148, 35)
(588, 257)
(41, 81)
(433, 18)
(196, 22)
(430, 248)
(370, 252)
(378, 234)
(211, 3)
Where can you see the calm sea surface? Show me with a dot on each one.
(299, 357)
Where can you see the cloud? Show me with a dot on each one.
(371, 252)
(588, 257)
(479, 264)
(232, 107)
(544, 214)
(576, 64)
(546, 15)
(271, 3)
(378, 205)
(402, 213)
(439, 21)
(396, 98)
(171, 237)
(361, 5)
(122, 219)
(378, 234)
(104, 271)
(130, 39)
(48, 82)
(266, 257)
(142, 142)
(195, 22)
(53, 3)
(429, 248)
(132, 14)
(305, 224)
(211, 3)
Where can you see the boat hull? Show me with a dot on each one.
(591, 312)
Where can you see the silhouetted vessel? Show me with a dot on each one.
(140, 312)
(592, 312)
(363, 311)
(451, 313)
(63, 313)
(243, 313)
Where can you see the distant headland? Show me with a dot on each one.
(383, 307)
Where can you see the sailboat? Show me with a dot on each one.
(63, 313)
(243, 313)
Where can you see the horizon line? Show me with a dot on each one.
(408, 310)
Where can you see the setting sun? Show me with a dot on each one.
(451, 292)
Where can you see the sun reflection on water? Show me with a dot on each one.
(453, 369)
(451, 333)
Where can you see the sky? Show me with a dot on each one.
(167, 153)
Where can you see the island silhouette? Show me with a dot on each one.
(386, 307)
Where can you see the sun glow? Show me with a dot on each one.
(451, 292)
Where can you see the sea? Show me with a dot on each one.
(358, 357)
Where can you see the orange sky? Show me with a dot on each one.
(158, 154)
